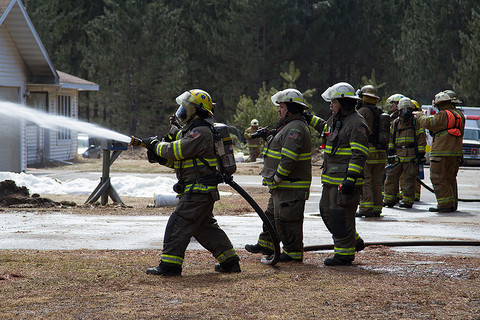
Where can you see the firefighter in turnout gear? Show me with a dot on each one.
(190, 151)
(446, 155)
(393, 101)
(253, 144)
(371, 201)
(418, 185)
(345, 155)
(287, 172)
(407, 142)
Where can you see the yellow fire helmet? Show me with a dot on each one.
(417, 106)
(188, 103)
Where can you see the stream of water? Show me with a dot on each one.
(54, 122)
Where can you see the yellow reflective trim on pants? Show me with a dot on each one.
(266, 244)
(172, 259)
(344, 251)
(297, 255)
(226, 255)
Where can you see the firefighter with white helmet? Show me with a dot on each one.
(191, 151)
(407, 144)
(446, 155)
(371, 201)
(253, 144)
(287, 172)
(345, 155)
(393, 101)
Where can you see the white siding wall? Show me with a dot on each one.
(12, 83)
(63, 149)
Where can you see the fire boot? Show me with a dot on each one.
(229, 266)
(256, 248)
(338, 260)
(166, 270)
(359, 245)
(405, 204)
(284, 258)
(441, 210)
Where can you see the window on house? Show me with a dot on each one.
(64, 109)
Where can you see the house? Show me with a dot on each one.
(28, 77)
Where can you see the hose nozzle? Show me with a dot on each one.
(135, 142)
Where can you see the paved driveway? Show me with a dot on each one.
(29, 230)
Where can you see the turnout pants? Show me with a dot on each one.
(443, 174)
(410, 173)
(193, 217)
(286, 211)
(254, 154)
(371, 198)
(338, 214)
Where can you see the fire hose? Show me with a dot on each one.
(273, 234)
(427, 243)
(223, 176)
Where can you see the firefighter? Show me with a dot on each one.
(446, 155)
(418, 186)
(371, 201)
(345, 155)
(253, 144)
(407, 142)
(393, 101)
(288, 174)
(190, 150)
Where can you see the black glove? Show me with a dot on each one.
(153, 157)
(391, 159)
(348, 186)
(390, 152)
(168, 138)
(261, 133)
(151, 143)
(308, 116)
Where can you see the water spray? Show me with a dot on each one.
(54, 122)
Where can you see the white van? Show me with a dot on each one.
(471, 137)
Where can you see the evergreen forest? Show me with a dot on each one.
(144, 53)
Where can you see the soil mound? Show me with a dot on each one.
(12, 195)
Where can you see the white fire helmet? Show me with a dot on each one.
(289, 95)
(338, 91)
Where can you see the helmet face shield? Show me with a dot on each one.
(181, 115)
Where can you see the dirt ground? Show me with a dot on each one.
(110, 284)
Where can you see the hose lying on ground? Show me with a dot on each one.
(433, 191)
(433, 243)
(261, 214)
